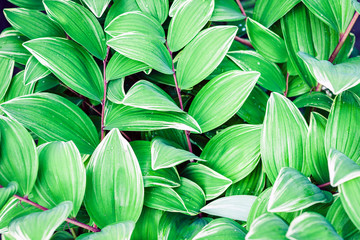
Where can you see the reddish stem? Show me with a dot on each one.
(287, 84)
(104, 97)
(323, 185)
(244, 41)
(241, 7)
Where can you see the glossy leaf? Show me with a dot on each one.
(119, 7)
(349, 195)
(98, 7)
(253, 109)
(33, 4)
(266, 227)
(159, 9)
(297, 87)
(7, 192)
(226, 10)
(148, 224)
(120, 230)
(11, 47)
(6, 71)
(34, 71)
(114, 191)
(17, 87)
(315, 99)
(56, 118)
(116, 91)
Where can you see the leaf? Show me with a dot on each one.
(120, 7)
(277, 8)
(148, 224)
(33, 4)
(211, 109)
(11, 47)
(166, 154)
(34, 71)
(283, 136)
(187, 21)
(61, 176)
(120, 230)
(271, 77)
(349, 195)
(311, 225)
(205, 52)
(159, 9)
(87, 32)
(242, 141)
(53, 118)
(17, 87)
(116, 91)
(253, 109)
(136, 119)
(6, 71)
(143, 48)
(226, 11)
(212, 182)
(114, 185)
(222, 228)
(62, 235)
(70, 63)
(7, 192)
(32, 226)
(343, 119)
(261, 38)
(267, 226)
(335, 13)
(235, 207)
(285, 198)
(46, 84)
(97, 7)
(32, 23)
(314, 99)
(297, 87)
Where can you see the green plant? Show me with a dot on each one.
(158, 119)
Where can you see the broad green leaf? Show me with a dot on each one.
(234, 152)
(116, 91)
(46, 83)
(335, 13)
(136, 119)
(175, 6)
(225, 66)
(87, 31)
(6, 72)
(203, 54)
(40, 225)
(286, 198)
(18, 158)
(267, 227)
(97, 7)
(11, 47)
(34, 71)
(341, 168)
(261, 38)
(211, 108)
(271, 77)
(314, 99)
(297, 87)
(32, 4)
(71, 63)
(62, 235)
(222, 228)
(316, 157)
(158, 77)
(159, 9)
(341, 131)
(235, 207)
(114, 185)
(311, 225)
(143, 48)
(166, 154)
(61, 176)
(17, 87)
(212, 182)
(226, 11)
(7, 192)
(54, 118)
(148, 224)
(188, 20)
(253, 109)
(120, 230)
(283, 136)
(119, 7)
(167, 177)
(267, 12)
(350, 199)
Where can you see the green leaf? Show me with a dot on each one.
(143, 48)
(166, 154)
(159, 9)
(17, 87)
(6, 71)
(116, 91)
(11, 47)
(7, 192)
(211, 109)
(286, 198)
(311, 225)
(297, 87)
(253, 109)
(120, 230)
(120, 7)
(350, 199)
(70, 63)
(187, 21)
(32, 23)
(46, 84)
(18, 158)
(61, 176)
(40, 225)
(114, 185)
(34, 71)
(261, 38)
(226, 11)
(32, 4)
(222, 228)
(97, 7)
(212, 182)
(235, 207)
(79, 23)
(283, 136)
(343, 119)
(267, 226)
(53, 118)
(136, 119)
(314, 99)
(242, 141)
(267, 12)
(271, 77)
(205, 52)
(148, 224)
(62, 235)
(335, 13)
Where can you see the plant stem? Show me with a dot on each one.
(287, 84)
(241, 7)
(244, 41)
(104, 97)
(323, 185)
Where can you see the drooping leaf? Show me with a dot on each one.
(120, 230)
(267, 226)
(114, 185)
(253, 109)
(97, 7)
(70, 63)
(226, 11)
(159, 9)
(234, 152)
(53, 118)
(6, 71)
(315, 99)
(11, 47)
(148, 224)
(34, 71)
(283, 136)
(7, 192)
(210, 47)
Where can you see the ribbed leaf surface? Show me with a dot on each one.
(34, 71)
(159, 9)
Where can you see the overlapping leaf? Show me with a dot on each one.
(148, 224)
(6, 70)
(226, 10)
(11, 47)
(315, 99)
(120, 66)
(268, 226)
(121, 230)
(253, 109)
(159, 9)
(6, 192)
(98, 7)
(17, 87)
(33, 4)
(350, 199)
(34, 71)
